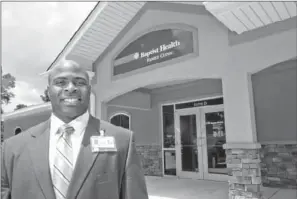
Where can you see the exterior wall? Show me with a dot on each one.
(135, 99)
(275, 109)
(211, 62)
(274, 28)
(216, 58)
(147, 124)
(141, 124)
(203, 66)
(24, 122)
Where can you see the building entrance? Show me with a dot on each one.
(200, 135)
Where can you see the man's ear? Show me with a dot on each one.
(47, 92)
(90, 88)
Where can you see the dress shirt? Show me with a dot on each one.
(79, 124)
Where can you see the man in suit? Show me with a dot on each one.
(61, 158)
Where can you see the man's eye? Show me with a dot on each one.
(60, 82)
(81, 83)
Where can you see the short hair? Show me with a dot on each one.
(62, 63)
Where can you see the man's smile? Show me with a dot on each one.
(71, 101)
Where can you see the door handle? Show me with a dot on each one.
(200, 141)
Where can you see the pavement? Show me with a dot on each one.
(177, 188)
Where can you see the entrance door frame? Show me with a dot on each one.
(175, 102)
(202, 112)
(185, 174)
(203, 173)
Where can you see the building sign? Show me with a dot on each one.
(152, 48)
(209, 102)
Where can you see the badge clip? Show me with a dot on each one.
(102, 132)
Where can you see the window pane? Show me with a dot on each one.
(168, 109)
(125, 121)
(121, 120)
(169, 162)
(168, 127)
(216, 137)
(189, 150)
(116, 120)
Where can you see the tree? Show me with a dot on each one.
(45, 97)
(20, 106)
(8, 83)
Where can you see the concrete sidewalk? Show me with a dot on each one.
(176, 188)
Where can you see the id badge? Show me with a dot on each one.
(103, 144)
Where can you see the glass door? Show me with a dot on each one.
(188, 144)
(213, 138)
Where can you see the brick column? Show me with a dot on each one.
(151, 159)
(244, 163)
(242, 149)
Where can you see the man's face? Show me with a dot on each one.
(69, 92)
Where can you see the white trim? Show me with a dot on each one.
(279, 142)
(128, 107)
(242, 145)
(162, 136)
(117, 113)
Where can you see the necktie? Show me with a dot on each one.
(63, 164)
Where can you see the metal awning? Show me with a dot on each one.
(245, 16)
(108, 19)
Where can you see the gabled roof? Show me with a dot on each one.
(108, 19)
(97, 32)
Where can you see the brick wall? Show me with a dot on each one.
(151, 159)
(244, 166)
(279, 165)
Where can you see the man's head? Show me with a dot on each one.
(69, 90)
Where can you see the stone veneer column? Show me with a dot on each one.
(243, 160)
(242, 149)
(151, 159)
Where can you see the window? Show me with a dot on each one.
(168, 126)
(121, 119)
(169, 160)
(17, 130)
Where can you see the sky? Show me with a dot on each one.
(33, 34)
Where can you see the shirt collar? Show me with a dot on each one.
(79, 124)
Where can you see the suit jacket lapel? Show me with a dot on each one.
(85, 159)
(39, 153)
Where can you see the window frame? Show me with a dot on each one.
(17, 127)
(119, 114)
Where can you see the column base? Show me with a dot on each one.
(243, 160)
(279, 165)
(151, 159)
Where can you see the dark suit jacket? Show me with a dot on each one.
(106, 175)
